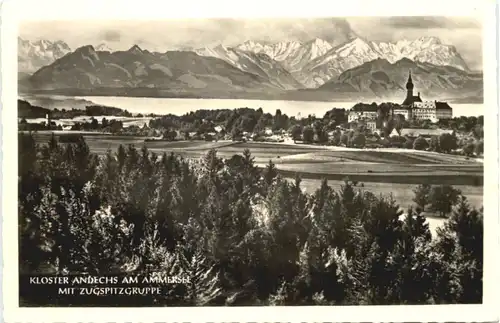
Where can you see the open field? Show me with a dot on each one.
(315, 162)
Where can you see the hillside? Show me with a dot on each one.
(382, 79)
(176, 71)
(26, 110)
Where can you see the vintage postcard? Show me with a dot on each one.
(279, 164)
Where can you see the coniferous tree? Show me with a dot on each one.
(442, 198)
(422, 195)
(415, 279)
(269, 175)
(203, 286)
(462, 237)
(121, 156)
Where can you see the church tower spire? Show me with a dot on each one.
(409, 86)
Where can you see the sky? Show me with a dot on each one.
(465, 33)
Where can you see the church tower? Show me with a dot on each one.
(410, 99)
(409, 87)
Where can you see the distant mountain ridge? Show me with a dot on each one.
(358, 51)
(256, 63)
(33, 55)
(382, 80)
(317, 61)
(284, 69)
(86, 68)
(294, 55)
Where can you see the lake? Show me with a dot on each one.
(182, 106)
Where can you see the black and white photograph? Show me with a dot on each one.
(251, 161)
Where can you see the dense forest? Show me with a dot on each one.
(243, 235)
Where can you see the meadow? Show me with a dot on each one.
(315, 162)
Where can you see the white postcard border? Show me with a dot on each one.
(14, 11)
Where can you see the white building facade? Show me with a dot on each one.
(414, 108)
(361, 115)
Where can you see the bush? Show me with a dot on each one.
(447, 142)
(296, 132)
(335, 140)
(358, 140)
(344, 139)
(308, 135)
(408, 143)
(468, 149)
(420, 144)
(434, 144)
(479, 147)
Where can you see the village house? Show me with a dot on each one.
(395, 133)
(368, 124)
(363, 113)
(371, 125)
(219, 129)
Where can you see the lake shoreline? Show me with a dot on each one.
(181, 106)
(257, 96)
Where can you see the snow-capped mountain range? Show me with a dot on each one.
(289, 65)
(32, 55)
(293, 55)
(255, 63)
(316, 62)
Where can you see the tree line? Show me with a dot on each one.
(27, 110)
(243, 235)
(331, 129)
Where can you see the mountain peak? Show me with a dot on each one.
(103, 47)
(219, 47)
(249, 43)
(43, 43)
(431, 40)
(358, 45)
(86, 48)
(135, 50)
(88, 51)
(404, 60)
(319, 42)
(358, 40)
